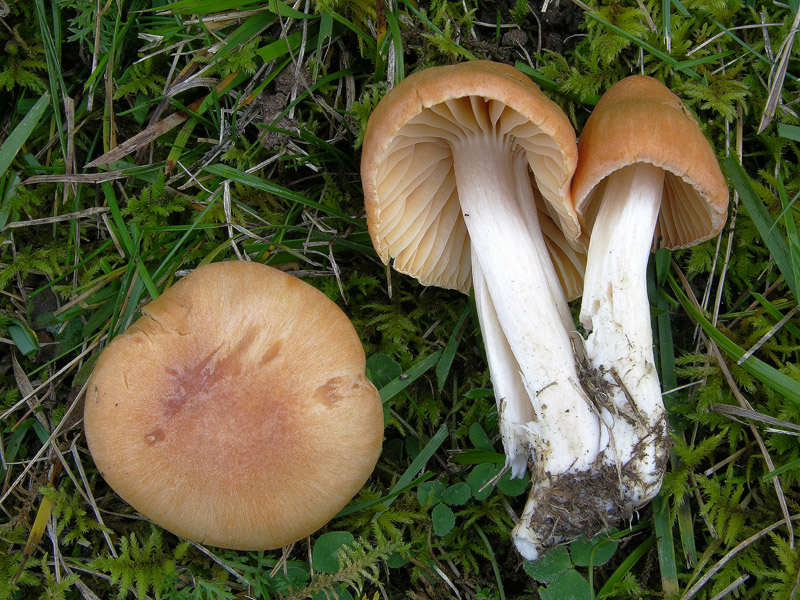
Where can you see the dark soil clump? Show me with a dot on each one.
(561, 26)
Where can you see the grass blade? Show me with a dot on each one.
(54, 70)
(493, 560)
(396, 491)
(548, 84)
(663, 56)
(419, 462)
(393, 20)
(22, 132)
(449, 353)
(395, 386)
(666, 546)
(272, 188)
(626, 566)
(762, 220)
(769, 376)
(790, 132)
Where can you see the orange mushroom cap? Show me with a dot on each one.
(235, 411)
(639, 120)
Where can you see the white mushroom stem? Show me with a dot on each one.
(523, 313)
(514, 407)
(616, 311)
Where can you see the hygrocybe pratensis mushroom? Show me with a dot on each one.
(235, 411)
(466, 172)
(646, 177)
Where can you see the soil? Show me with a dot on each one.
(561, 26)
(556, 29)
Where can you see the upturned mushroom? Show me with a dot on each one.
(466, 172)
(235, 411)
(644, 170)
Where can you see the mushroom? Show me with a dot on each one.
(644, 170)
(235, 411)
(466, 172)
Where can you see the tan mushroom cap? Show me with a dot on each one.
(639, 120)
(412, 204)
(235, 411)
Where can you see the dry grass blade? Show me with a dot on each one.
(732, 226)
(76, 178)
(714, 38)
(44, 447)
(50, 380)
(156, 130)
(736, 413)
(728, 459)
(778, 75)
(768, 335)
(745, 405)
(87, 491)
(691, 592)
(39, 524)
(731, 587)
(58, 218)
(582, 5)
(143, 138)
(26, 389)
(69, 160)
(226, 206)
(99, 12)
(770, 465)
(219, 561)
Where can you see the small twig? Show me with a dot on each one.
(728, 459)
(768, 335)
(778, 75)
(220, 562)
(731, 587)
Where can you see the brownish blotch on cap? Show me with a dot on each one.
(341, 387)
(155, 436)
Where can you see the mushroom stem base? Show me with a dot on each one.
(618, 375)
(616, 311)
